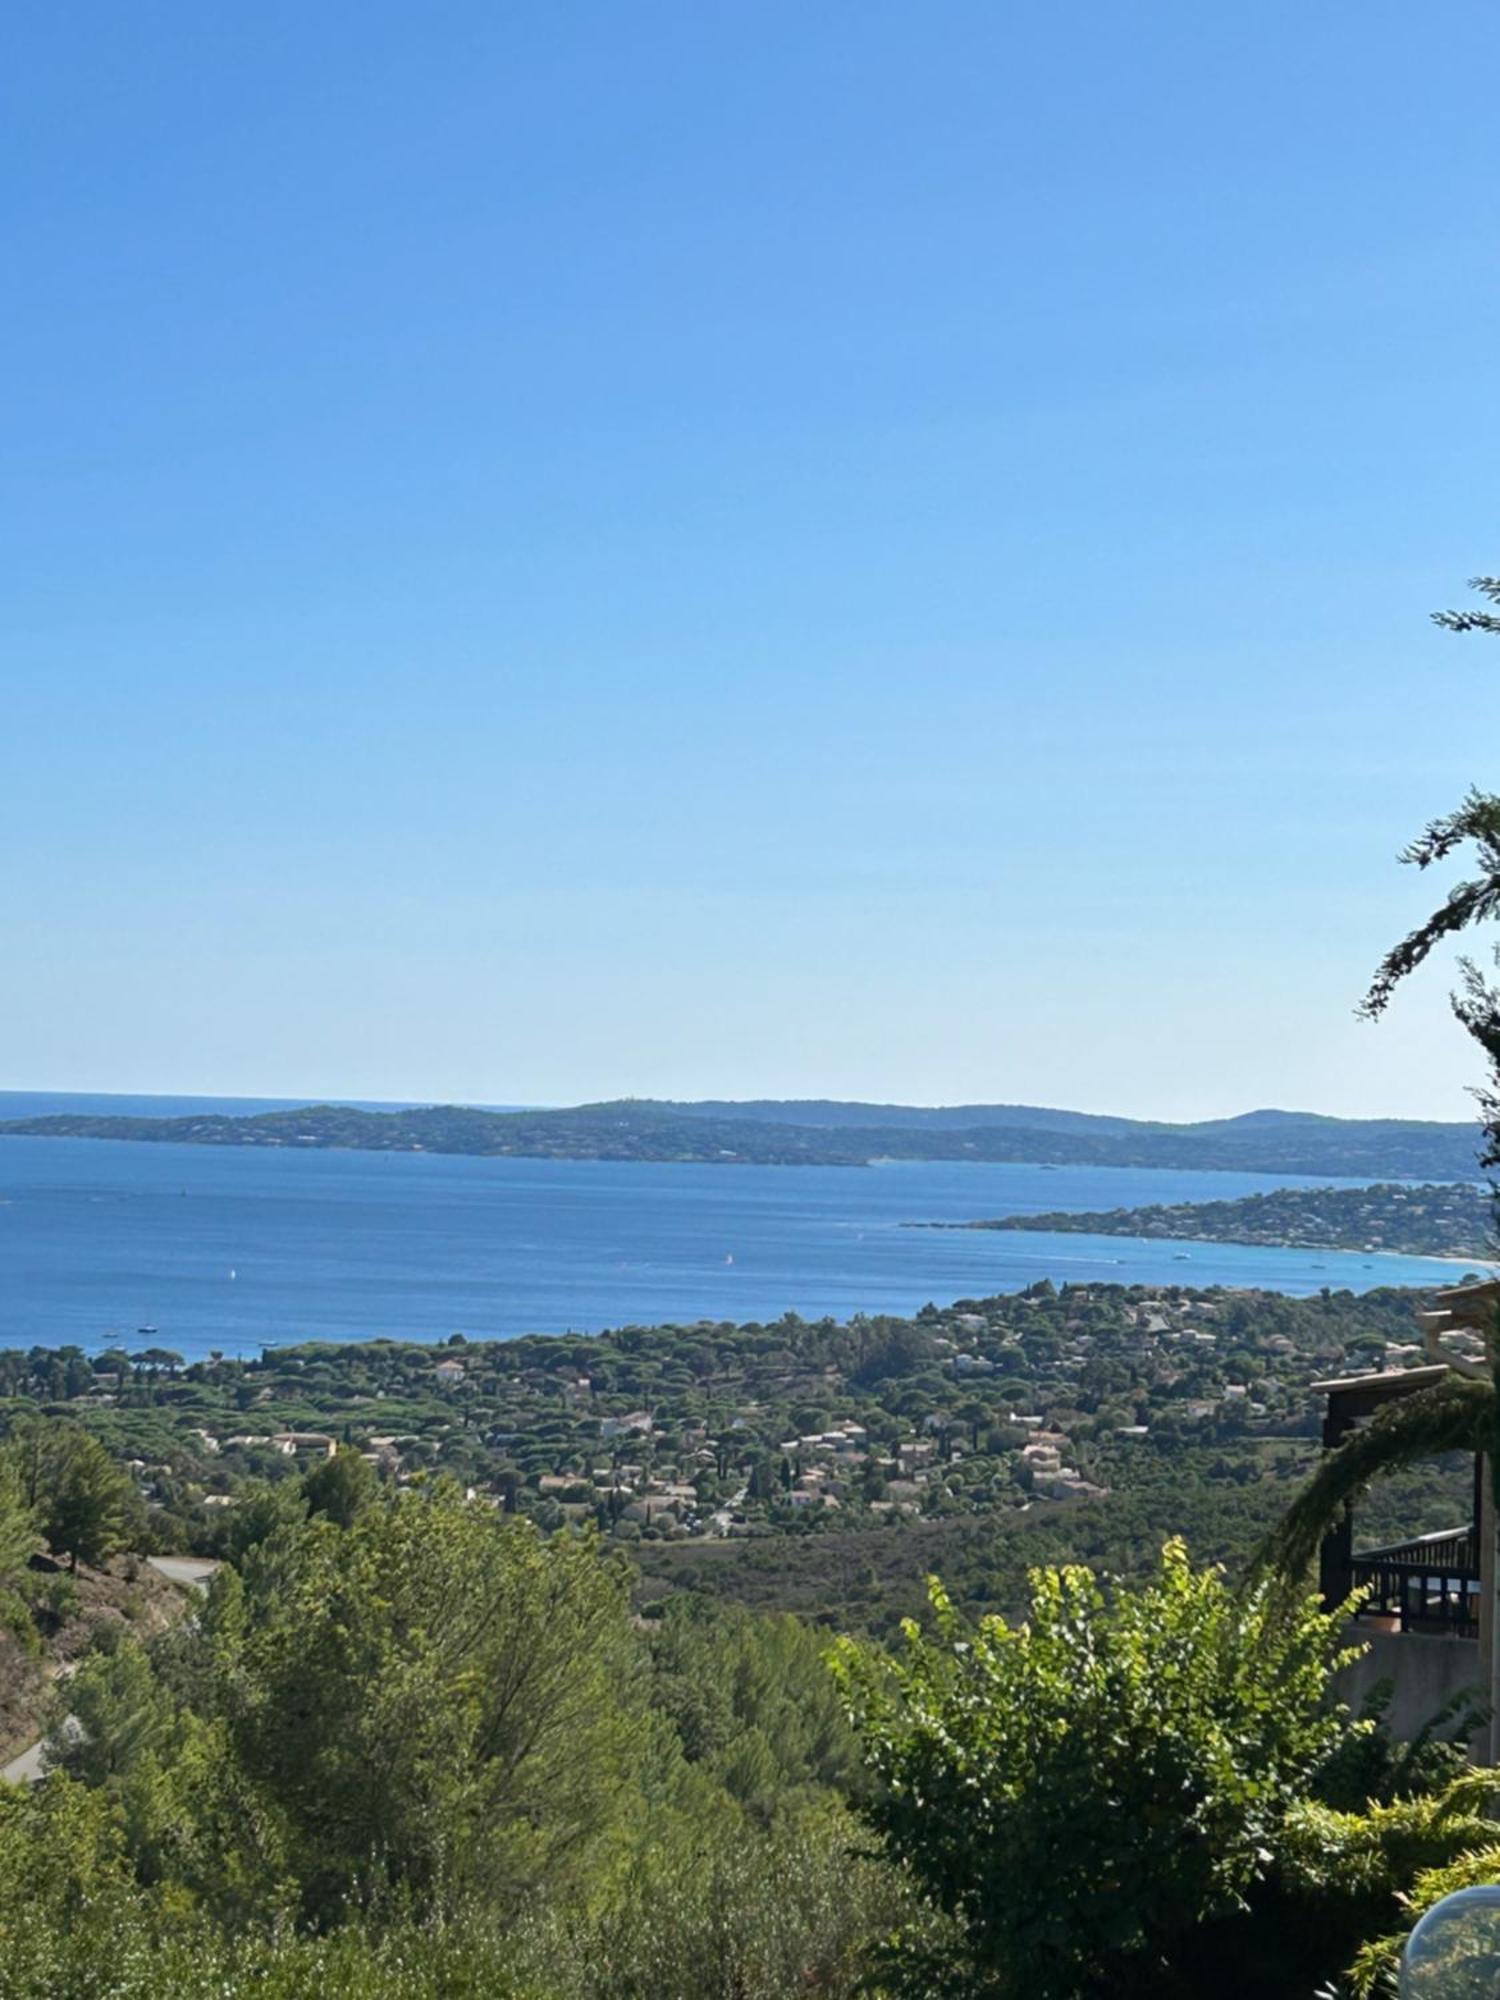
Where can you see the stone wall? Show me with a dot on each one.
(1426, 1672)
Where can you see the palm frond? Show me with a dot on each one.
(1453, 1415)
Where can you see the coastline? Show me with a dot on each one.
(1004, 1226)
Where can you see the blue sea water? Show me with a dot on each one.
(235, 1249)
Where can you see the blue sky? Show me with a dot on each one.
(558, 550)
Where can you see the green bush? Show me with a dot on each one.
(1116, 1798)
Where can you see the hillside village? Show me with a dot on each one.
(1414, 1219)
(1001, 1407)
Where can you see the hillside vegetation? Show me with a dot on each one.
(414, 1747)
(799, 1133)
(1415, 1221)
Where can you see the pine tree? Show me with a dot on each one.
(1460, 1412)
(341, 1487)
(1474, 825)
(18, 1532)
(85, 1499)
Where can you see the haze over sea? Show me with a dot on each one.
(233, 1249)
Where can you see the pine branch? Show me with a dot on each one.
(1476, 820)
(1468, 903)
(1473, 621)
(1466, 621)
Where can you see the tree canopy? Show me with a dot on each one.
(1473, 825)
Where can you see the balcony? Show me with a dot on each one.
(1420, 1618)
(1429, 1583)
(1426, 1583)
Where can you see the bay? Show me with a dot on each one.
(236, 1249)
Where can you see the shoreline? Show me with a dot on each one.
(1488, 1259)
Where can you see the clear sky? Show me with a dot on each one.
(554, 550)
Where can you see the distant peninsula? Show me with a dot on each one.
(1416, 1221)
(821, 1132)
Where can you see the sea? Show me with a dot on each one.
(202, 1249)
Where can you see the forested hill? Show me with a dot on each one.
(1412, 1219)
(820, 1133)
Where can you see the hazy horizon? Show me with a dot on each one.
(296, 1099)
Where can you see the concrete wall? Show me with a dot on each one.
(1426, 1672)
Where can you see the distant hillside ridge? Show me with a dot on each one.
(826, 1112)
(1413, 1219)
(812, 1133)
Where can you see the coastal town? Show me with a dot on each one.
(1016, 1408)
(1413, 1219)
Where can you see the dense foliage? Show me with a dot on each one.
(430, 1752)
(1128, 1795)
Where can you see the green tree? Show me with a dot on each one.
(76, 1922)
(706, 1909)
(113, 1713)
(1473, 826)
(262, 1509)
(763, 1482)
(714, 1909)
(85, 1499)
(752, 1703)
(18, 1528)
(434, 1701)
(1084, 1792)
(341, 1487)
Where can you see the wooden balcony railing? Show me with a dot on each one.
(1429, 1583)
